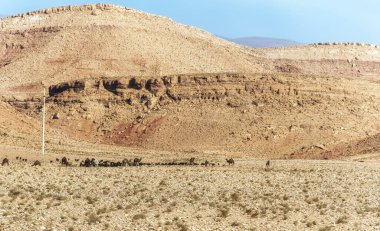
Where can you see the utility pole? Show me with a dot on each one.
(43, 123)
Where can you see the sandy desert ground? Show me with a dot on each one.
(291, 195)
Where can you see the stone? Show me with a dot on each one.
(56, 116)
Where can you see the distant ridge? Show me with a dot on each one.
(263, 42)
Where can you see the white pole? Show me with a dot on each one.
(43, 123)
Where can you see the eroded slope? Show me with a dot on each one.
(121, 77)
(252, 115)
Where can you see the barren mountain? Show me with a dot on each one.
(62, 44)
(124, 78)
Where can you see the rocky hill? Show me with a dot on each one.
(124, 78)
(60, 44)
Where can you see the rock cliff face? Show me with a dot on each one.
(130, 79)
(283, 116)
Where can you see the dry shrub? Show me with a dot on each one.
(14, 193)
(93, 218)
(326, 228)
(342, 220)
(139, 216)
(224, 212)
(102, 210)
(236, 196)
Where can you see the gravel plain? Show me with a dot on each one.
(290, 195)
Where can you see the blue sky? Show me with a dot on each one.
(305, 21)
